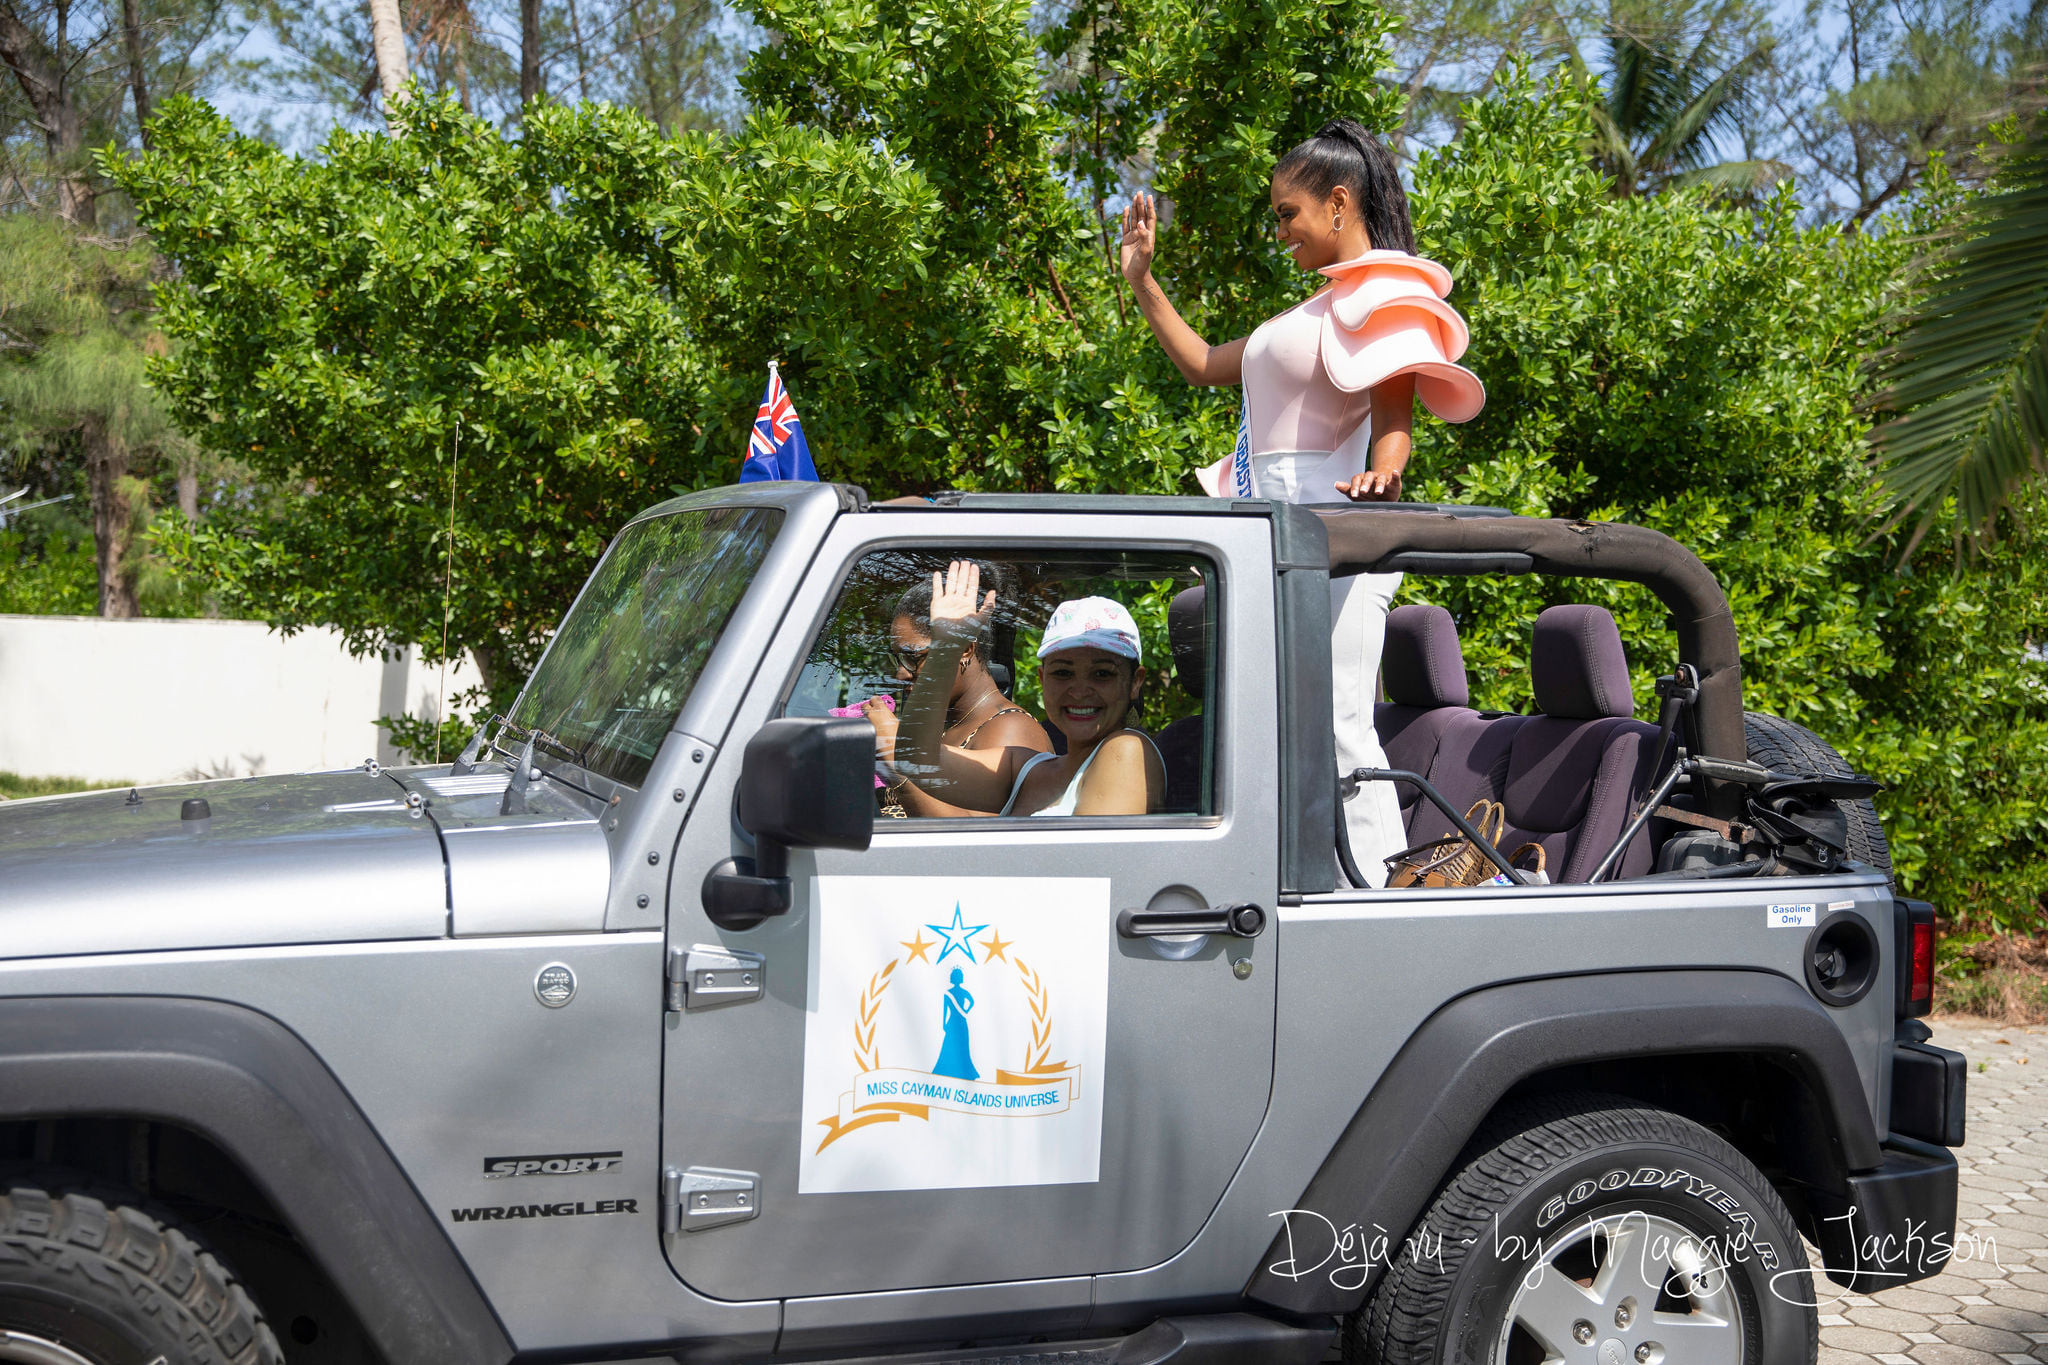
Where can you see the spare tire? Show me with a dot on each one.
(1779, 744)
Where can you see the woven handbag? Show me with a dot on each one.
(1453, 860)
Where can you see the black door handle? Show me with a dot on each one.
(1240, 920)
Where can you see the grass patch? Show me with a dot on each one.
(2001, 977)
(13, 786)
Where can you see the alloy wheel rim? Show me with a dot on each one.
(25, 1348)
(1628, 1289)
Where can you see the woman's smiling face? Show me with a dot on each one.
(1302, 222)
(1088, 691)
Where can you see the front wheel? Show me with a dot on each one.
(1588, 1228)
(85, 1283)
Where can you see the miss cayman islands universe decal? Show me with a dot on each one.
(954, 1034)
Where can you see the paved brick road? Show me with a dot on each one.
(1990, 1305)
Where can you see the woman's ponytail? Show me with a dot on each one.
(1344, 152)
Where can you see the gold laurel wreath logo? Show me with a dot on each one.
(1041, 1017)
(866, 1056)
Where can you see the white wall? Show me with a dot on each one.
(156, 700)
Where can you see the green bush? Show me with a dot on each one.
(909, 222)
(47, 569)
(1696, 368)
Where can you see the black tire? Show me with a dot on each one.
(114, 1286)
(1540, 1192)
(1781, 744)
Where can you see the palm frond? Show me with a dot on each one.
(1735, 177)
(1686, 139)
(1968, 373)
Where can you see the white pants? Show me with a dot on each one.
(1358, 631)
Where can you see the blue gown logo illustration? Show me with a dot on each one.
(955, 1058)
(1037, 1085)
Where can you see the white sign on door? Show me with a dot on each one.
(954, 1032)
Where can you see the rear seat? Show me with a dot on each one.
(1568, 776)
(1423, 672)
(1180, 743)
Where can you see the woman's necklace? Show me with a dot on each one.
(991, 694)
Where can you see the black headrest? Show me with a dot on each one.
(1421, 664)
(1187, 631)
(1577, 666)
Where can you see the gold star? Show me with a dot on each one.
(918, 947)
(995, 943)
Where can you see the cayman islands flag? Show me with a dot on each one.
(776, 449)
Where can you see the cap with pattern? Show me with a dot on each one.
(1097, 622)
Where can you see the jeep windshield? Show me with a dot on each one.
(625, 659)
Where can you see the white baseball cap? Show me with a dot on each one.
(1097, 622)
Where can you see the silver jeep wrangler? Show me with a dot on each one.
(643, 1031)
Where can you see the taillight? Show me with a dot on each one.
(1915, 922)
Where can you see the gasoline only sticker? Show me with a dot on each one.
(1790, 917)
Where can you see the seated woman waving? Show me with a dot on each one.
(1090, 676)
(978, 715)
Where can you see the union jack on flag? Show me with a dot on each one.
(776, 449)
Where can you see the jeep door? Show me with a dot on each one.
(957, 1070)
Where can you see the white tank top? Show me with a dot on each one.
(1067, 799)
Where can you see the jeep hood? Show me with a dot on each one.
(307, 858)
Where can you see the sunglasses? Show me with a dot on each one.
(911, 661)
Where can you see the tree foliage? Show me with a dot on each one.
(672, 60)
(911, 222)
(1968, 373)
(1699, 369)
(79, 423)
(591, 307)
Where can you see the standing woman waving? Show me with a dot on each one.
(1329, 395)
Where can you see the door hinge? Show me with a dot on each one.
(704, 1197)
(702, 977)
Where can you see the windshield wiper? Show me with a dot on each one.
(540, 739)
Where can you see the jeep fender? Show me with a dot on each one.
(1407, 1135)
(258, 1092)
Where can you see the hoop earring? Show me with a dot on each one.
(1336, 222)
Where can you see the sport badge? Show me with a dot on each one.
(954, 1032)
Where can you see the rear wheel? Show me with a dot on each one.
(1589, 1228)
(83, 1282)
(1781, 744)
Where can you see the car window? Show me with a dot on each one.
(630, 650)
(874, 645)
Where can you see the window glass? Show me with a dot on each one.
(630, 651)
(875, 641)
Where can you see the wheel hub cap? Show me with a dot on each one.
(1629, 1289)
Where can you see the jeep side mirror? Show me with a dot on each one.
(804, 783)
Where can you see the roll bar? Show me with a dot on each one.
(1390, 537)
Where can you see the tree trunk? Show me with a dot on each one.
(529, 52)
(41, 77)
(486, 660)
(582, 74)
(188, 492)
(387, 41)
(131, 34)
(106, 464)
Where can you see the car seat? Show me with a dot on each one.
(1422, 671)
(1180, 743)
(1568, 776)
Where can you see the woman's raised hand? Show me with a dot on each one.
(954, 594)
(1141, 236)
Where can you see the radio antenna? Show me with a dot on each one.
(447, 588)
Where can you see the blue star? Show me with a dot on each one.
(956, 936)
